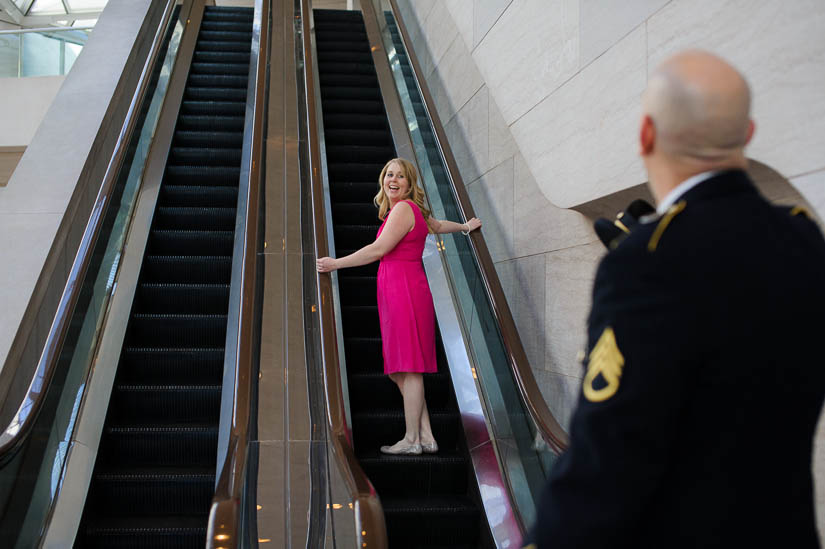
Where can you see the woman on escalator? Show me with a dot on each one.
(405, 305)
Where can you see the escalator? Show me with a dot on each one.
(430, 500)
(154, 475)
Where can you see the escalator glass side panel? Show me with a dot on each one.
(529, 460)
(154, 474)
(31, 477)
(428, 500)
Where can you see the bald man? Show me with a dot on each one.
(704, 375)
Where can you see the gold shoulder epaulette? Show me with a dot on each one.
(797, 210)
(672, 212)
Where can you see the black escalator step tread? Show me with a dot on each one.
(176, 532)
(182, 298)
(222, 57)
(342, 35)
(345, 92)
(214, 108)
(231, 26)
(371, 430)
(349, 213)
(364, 354)
(365, 137)
(215, 45)
(160, 446)
(215, 139)
(340, 45)
(138, 405)
(345, 57)
(188, 269)
(354, 236)
(210, 123)
(219, 176)
(431, 521)
(355, 171)
(215, 94)
(363, 153)
(198, 196)
(216, 219)
(437, 474)
(158, 365)
(334, 106)
(177, 330)
(357, 290)
(220, 68)
(152, 492)
(354, 191)
(211, 156)
(360, 320)
(341, 67)
(225, 36)
(217, 81)
(177, 243)
(374, 391)
(348, 80)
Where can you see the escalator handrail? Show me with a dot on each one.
(22, 422)
(224, 528)
(550, 429)
(366, 506)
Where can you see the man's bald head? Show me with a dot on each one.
(700, 108)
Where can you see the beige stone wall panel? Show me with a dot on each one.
(492, 199)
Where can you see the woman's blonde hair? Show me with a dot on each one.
(416, 193)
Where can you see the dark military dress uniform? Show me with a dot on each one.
(704, 382)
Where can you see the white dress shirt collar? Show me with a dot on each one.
(683, 187)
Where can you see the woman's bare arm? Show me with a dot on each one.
(443, 227)
(399, 223)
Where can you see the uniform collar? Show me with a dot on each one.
(683, 187)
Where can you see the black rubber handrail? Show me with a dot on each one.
(23, 420)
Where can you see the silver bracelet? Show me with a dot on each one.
(467, 232)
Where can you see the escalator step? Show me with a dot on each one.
(355, 171)
(204, 156)
(160, 446)
(348, 80)
(334, 35)
(209, 123)
(353, 106)
(187, 269)
(438, 474)
(369, 353)
(177, 330)
(209, 139)
(353, 191)
(182, 298)
(214, 108)
(343, 120)
(150, 492)
(166, 404)
(345, 57)
(365, 153)
(374, 390)
(166, 366)
(442, 521)
(231, 26)
(334, 136)
(215, 94)
(354, 236)
(371, 430)
(191, 242)
(198, 196)
(357, 290)
(224, 36)
(179, 532)
(220, 68)
(218, 80)
(215, 45)
(222, 57)
(338, 45)
(339, 67)
(219, 176)
(221, 219)
(340, 92)
(359, 320)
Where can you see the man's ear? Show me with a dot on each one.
(751, 129)
(647, 136)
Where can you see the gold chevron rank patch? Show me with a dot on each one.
(605, 361)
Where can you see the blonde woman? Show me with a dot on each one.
(405, 305)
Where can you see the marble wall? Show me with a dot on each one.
(540, 100)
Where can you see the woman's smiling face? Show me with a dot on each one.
(396, 186)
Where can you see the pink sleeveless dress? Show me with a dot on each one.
(405, 304)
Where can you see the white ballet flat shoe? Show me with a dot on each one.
(402, 448)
